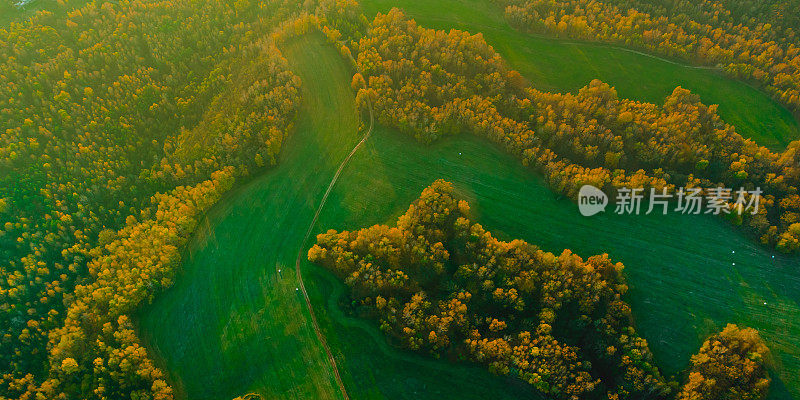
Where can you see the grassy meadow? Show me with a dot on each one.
(234, 324)
(566, 66)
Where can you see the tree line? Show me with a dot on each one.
(431, 84)
(753, 42)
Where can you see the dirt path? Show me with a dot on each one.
(301, 253)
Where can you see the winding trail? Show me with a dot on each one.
(301, 252)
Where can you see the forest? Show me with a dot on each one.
(117, 136)
(124, 123)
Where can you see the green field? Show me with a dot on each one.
(565, 66)
(233, 324)
(236, 324)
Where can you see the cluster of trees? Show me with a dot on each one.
(715, 32)
(430, 83)
(121, 123)
(441, 284)
(729, 366)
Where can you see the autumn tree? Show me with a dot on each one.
(730, 365)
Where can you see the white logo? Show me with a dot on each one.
(591, 200)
